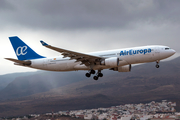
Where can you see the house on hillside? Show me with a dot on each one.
(90, 117)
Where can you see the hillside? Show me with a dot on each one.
(71, 90)
(8, 78)
(38, 82)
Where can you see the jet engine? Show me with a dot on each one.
(111, 62)
(126, 68)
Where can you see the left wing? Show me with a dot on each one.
(84, 58)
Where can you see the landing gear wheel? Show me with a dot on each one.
(95, 77)
(88, 75)
(157, 63)
(90, 72)
(157, 66)
(93, 72)
(100, 75)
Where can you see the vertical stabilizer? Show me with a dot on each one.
(23, 51)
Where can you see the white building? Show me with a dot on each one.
(102, 116)
(89, 116)
(145, 117)
(126, 117)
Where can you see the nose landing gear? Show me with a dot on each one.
(157, 64)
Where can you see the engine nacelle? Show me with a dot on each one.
(111, 62)
(126, 68)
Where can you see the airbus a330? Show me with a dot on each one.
(117, 60)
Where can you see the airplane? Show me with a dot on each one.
(117, 60)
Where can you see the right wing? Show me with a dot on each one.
(84, 58)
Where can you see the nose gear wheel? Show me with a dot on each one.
(157, 64)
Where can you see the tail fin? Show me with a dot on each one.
(23, 51)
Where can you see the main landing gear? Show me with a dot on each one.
(90, 72)
(99, 74)
(157, 64)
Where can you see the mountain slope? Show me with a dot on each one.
(72, 90)
(8, 78)
(38, 82)
(145, 74)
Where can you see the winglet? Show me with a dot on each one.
(43, 43)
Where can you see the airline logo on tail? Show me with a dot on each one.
(21, 50)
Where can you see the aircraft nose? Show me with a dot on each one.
(173, 52)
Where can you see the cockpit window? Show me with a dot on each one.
(167, 48)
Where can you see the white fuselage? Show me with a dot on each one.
(126, 56)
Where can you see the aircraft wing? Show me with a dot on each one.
(84, 58)
(19, 61)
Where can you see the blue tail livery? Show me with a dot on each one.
(23, 51)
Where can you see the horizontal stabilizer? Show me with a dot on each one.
(19, 61)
